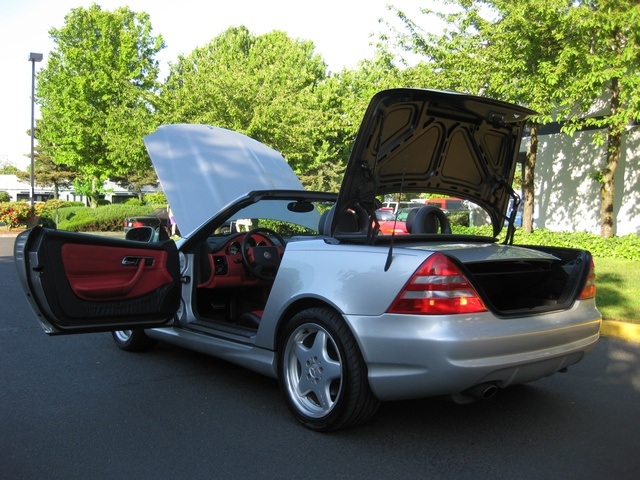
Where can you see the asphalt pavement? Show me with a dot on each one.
(76, 407)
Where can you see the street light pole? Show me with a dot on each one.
(33, 58)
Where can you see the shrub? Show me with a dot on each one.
(155, 198)
(15, 214)
(625, 247)
(109, 218)
(48, 214)
(48, 208)
(5, 197)
(460, 218)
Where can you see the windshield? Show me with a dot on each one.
(286, 217)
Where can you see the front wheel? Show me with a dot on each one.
(322, 374)
(133, 340)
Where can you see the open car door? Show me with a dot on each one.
(78, 283)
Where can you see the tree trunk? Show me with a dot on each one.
(528, 180)
(607, 187)
(93, 196)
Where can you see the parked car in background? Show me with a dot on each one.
(397, 206)
(343, 316)
(388, 223)
(159, 218)
(403, 213)
(447, 204)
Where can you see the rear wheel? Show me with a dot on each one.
(322, 374)
(133, 340)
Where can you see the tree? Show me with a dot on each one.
(7, 168)
(47, 172)
(96, 94)
(267, 87)
(137, 181)
(499, 48)
(554, 56)
(602, 62)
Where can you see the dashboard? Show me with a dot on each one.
(223, 265)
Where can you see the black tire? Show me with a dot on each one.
(322, 374)
(133, 340)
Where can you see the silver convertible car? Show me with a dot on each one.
(301, 286)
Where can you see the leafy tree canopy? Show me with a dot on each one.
(266, 87)
(559, 57)
(47, 172)
(7, 168)
(96, 94)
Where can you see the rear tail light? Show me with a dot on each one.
(438, 287)
(589, 289)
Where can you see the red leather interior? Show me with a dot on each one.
(98, 273)
(235, 275)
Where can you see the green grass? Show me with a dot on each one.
(617, 289)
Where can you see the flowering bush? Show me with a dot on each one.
(15, 214)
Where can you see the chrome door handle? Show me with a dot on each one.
(131, 261)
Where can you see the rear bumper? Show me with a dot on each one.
(412, 356)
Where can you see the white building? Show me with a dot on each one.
(19, 190)
(567, 198)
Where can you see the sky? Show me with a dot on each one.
(341, 31)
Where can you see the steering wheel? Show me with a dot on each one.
(262, 260)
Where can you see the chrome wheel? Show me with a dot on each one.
(322, 374)
(122, 335)
(313, 370)
(132, 340)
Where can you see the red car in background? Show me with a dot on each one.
(389, 223)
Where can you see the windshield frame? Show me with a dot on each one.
(233, 210)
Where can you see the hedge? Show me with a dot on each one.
(625, 247)
(109, 218)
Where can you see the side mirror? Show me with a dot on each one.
(142, 234)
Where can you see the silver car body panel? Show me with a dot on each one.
(203, 169)
(411, 356)
(232, 350)
(408, 356)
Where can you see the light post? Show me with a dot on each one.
(33, 58)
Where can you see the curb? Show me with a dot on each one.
(622, 330)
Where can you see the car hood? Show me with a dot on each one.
(202, 169)
(414, 140)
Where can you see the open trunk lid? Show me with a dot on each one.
(414, 140)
